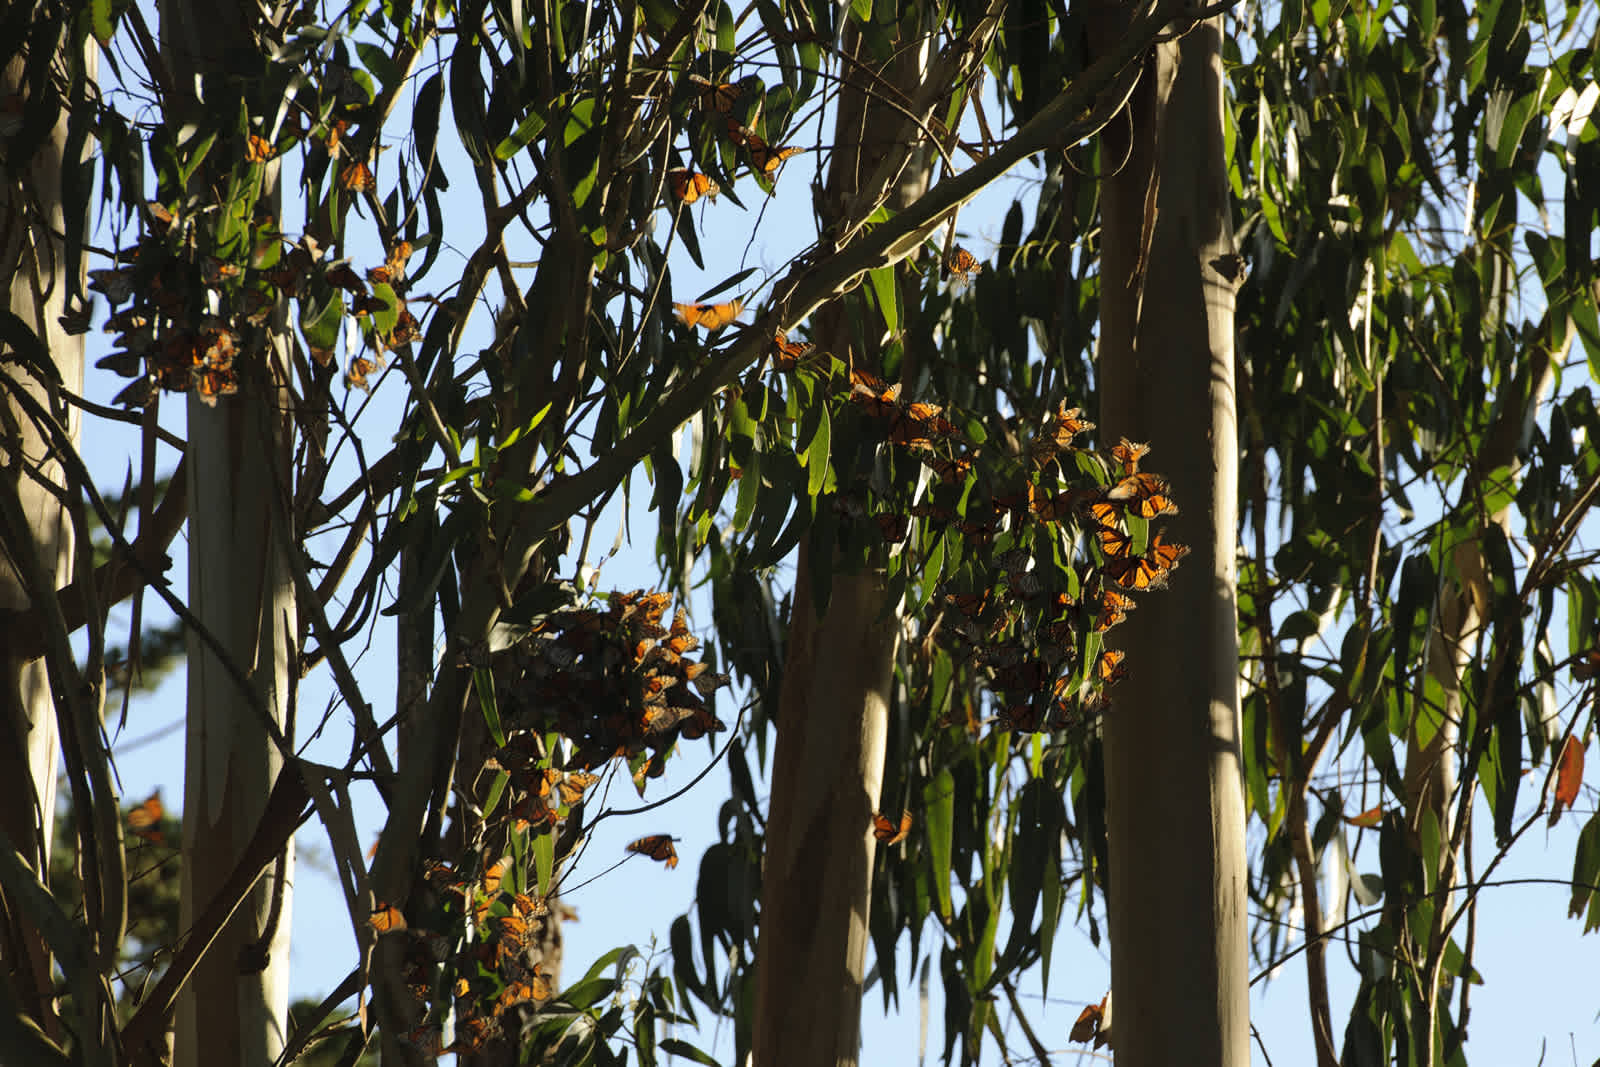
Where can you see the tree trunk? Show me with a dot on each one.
(241, 588)
(833, 721)
(33, 265)
(1177, 893)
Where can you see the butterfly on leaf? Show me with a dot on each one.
(708, 316)
(658, 847)
(886, 830)
(688, 186)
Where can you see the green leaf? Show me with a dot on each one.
(938, 807)
(887, 295)
(672, 1046)
(817, 453)
(519, 138)
(483, 685)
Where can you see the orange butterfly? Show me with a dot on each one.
(494, 876)
(145, 820)
(1113, 542)
(789, 352)
(1164, 554)
(962, 264)
(1149, 571)
(1069, 423)
(714, 96)
(1110, 667)
(885, 830)
(658, 847)
(387, 919)
(356, 178)
(919, 425)
(689, 186)
(1129, 454)
(766, 158)
(1146, 495)
(710, 316)
(361, 368)
(1114, 608)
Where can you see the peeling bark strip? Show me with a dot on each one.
(1175, 800)
(33, 264)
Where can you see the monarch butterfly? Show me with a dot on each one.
(679, 639)
(1114, 608)
(1069, 423)
(537, 988)
(212, 382)
(766, 158)
(572, 786)
(1129, 454)
(893, 527)
(1146, 495)
(879, 404)
(494, 876)
(948, 470)
(714, 96)
(1113, 542)
(1110, 667)
(1165, 554)
(530, 907)
(1047, 506)
(362, 367)
(1022, 718)
(919, 424)
(710, 316)
(145, 820)
(356, 178)
(658, 847)
(689, 186)
(1149, 571)
(962, 264)
(1088, 1024)
(885, 829)
(790, 352)
(386, 918)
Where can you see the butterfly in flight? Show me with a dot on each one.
(658, 847)
(709, 316)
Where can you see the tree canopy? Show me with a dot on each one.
(441, 240)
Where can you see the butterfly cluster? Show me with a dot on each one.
(176, 336)
(1048, 570)
(614, 681)
(492, 978)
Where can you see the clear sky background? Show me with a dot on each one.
(1538, 1004)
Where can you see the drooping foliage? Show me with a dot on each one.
(1417, 327)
